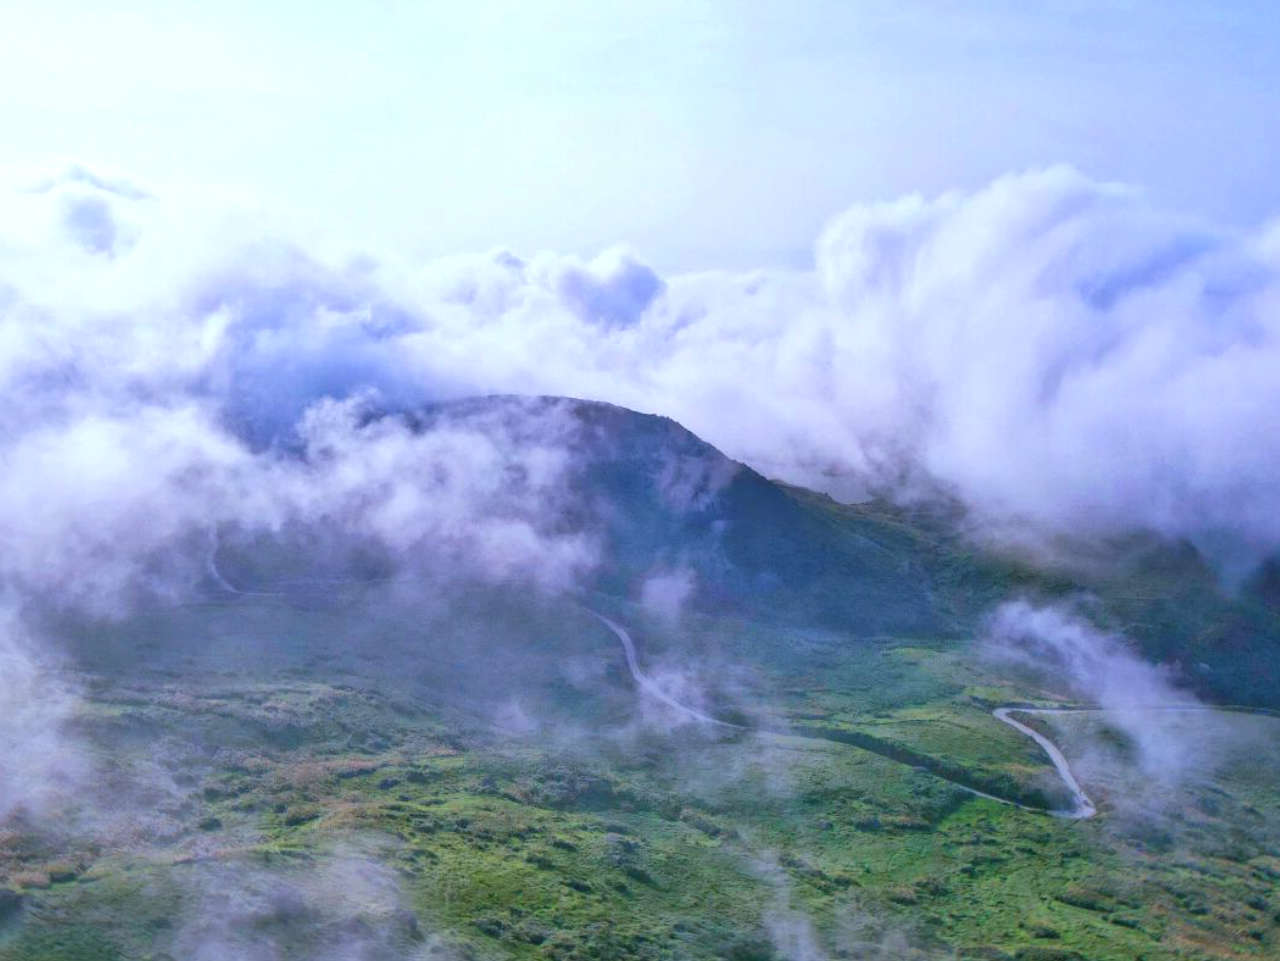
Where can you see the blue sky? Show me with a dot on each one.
(701, 133)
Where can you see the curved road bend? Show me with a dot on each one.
(1083, 808)
(649, 687)
(211, 566)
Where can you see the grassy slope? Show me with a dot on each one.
(495, 760)
(635, 842)
(1225, 644)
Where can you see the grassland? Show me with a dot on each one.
(395, 800)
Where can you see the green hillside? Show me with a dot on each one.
(314, 758)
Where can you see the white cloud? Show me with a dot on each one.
(41, 763)
(1132, 695)
(664, 593)
(1053, 350)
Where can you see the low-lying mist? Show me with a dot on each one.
(1133, 349)
(1135, 732)
(231, 463)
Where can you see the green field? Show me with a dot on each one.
(370, 803)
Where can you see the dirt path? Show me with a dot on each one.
(1083, 807)
(653, 690)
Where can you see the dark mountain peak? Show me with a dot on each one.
(595, 428)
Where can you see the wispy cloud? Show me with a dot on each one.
(1056, 352)
(1049, 348)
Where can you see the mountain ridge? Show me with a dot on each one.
(661, 500)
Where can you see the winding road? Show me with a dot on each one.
(1082, 807)
(211, 566)
(648, 686)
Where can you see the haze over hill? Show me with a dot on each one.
(1134, 347)
(713, 481)
(243, 484)
(380, 658)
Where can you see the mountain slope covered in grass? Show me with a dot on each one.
(326, 751)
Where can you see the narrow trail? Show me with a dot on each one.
(211, 567)
(648, 686)
(314, 583)
(1083, 807)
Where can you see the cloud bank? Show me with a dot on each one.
(178, 382)
(1138, 698)
(1052, 350)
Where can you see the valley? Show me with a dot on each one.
(640, 835)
